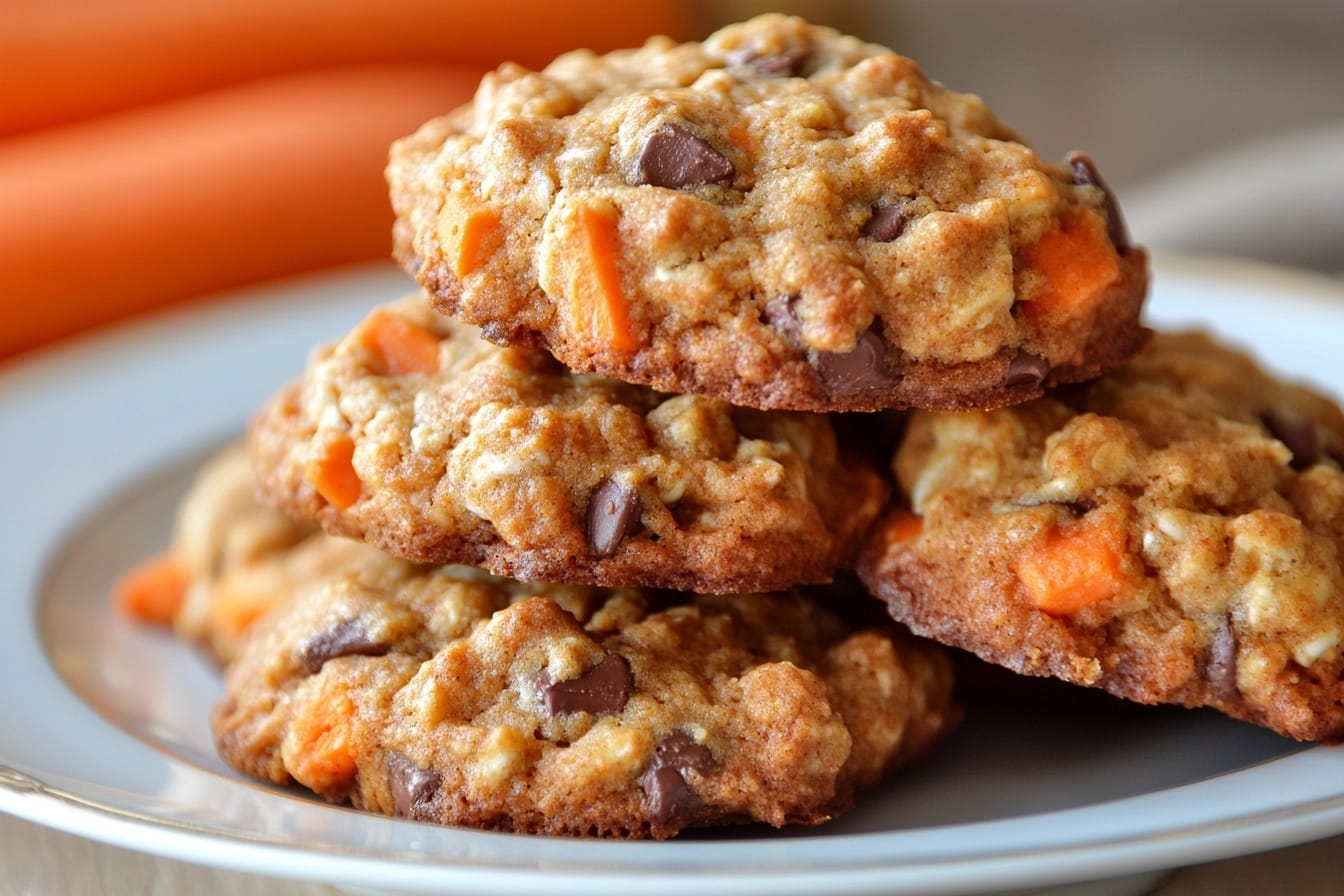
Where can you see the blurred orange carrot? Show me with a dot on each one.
(130, 212)
(62, 61)
(153, 590)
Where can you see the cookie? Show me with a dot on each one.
(1171, 533)
(450, 696)
(241, 558)
(419, 437)
(780, 216)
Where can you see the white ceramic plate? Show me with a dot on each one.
(104, 728)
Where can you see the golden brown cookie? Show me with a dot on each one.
(241, 558)
(451, 696)
(417, 436)
(1171, 533)
(780, 216)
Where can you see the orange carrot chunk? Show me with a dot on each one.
(1074, 567)
(320, 753)
(331, 470)
(154, 590)
(480, 238)
(400, 345)
(902, 525)
(598, 288)
(236, 607)
(1077, 261)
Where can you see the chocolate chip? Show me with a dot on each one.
(1297, 433)
(781, 313)
(886, 223)
(410, 784)
(674, 157)
(613, 516)
(604, 688)
(670, 797)
(786, 62)
(346, 638)
(1026, 369)
(1079, 508)
(1221, 668)
(858, 371)
(1085, 174)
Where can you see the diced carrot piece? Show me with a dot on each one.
(400, 345)
(598, 287)
(741, 137)
(480, 237)
(1074, 567)
(902, 525)
(331, 470)
(154, 590)
(235, 607)
(1077, 261)
(318, 750)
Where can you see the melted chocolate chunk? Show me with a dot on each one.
(604, 688)
(613, 516)
(1085, 173)
(788, 63)
(781, 314)
(346, 638)
(410, 784)
(674, 157)
(1221, 669)
(670, 797)
(857, 371)
(887, 223)
(1081, 507)
(1297, 433)
(1026, 370)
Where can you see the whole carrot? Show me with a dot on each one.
(133, 211)
(64, 61)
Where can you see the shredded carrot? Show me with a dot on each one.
(331, 470)
(598, 283)
(1077, 261)
(1074, 567)
(400, 345)
(154, 590)
(480, 238)
(318, 750)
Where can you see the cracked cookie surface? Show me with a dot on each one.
(781, 216)
(1172, 533)
(451, 696)
(417, 436)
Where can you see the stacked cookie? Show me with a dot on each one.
(643, 669)
(546, 544)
